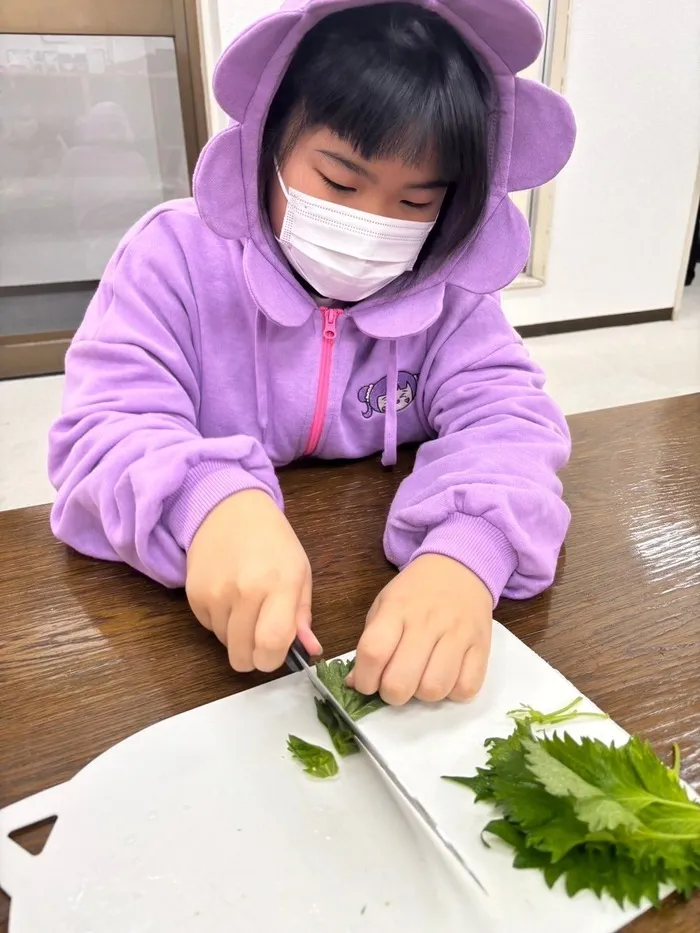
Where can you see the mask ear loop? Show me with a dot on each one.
(285, 190)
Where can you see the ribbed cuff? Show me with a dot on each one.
(476, 543)
(205, 486)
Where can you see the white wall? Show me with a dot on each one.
(623, 205)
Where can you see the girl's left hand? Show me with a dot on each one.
(427, 635)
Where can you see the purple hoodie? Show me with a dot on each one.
(202, 365)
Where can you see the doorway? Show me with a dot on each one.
(102, 116)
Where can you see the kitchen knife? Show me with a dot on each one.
(298, 660)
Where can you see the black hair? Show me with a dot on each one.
(393, 79)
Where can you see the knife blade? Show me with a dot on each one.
(298, 660)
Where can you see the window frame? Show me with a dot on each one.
(541, 203)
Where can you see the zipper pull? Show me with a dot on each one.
(330, 322)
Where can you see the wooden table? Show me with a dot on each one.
(90, 653)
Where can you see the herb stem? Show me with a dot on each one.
(676, 759)
(528, 715)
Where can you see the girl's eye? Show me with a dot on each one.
(334, 186)
(415, 206)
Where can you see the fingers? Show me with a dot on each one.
(377, 645)
(472, 673)
(442, 670)
(260, 627)
(311, 644)
(435, 656)
(275, 629)
(402, 675)
(249, 581)
(303, 624)
(201, 615)
(240, 637)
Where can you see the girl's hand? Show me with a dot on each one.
(427, 635)
(249, 582)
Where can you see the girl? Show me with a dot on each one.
(352, 222)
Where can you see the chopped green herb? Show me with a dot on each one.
(333, 674)
(317, 761)
(342, 738)
(609, 819)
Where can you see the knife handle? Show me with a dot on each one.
(291, 660)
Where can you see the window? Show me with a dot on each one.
(102, 116)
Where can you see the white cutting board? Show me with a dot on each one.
(204, 823)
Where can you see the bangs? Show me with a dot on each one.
(373, 120)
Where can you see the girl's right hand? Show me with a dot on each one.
(249, 582)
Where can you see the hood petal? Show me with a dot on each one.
(545, 132)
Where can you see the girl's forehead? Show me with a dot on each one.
(323, 143)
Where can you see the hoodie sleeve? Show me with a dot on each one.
(134, 476)
(485, 491)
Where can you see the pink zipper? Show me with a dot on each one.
(330, 332)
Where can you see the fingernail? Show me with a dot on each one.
(350, 680)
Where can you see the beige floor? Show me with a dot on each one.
(586, 371)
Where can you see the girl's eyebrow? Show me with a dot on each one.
(348, 164)
(429, 185)
(360, 169)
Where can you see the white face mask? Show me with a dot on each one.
(343, 253)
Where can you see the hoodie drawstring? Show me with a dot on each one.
(392, 388)
(261, 368)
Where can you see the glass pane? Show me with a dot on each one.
(91, 137)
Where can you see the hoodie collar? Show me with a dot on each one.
(281, 299)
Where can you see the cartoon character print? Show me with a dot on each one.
(374, 396)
